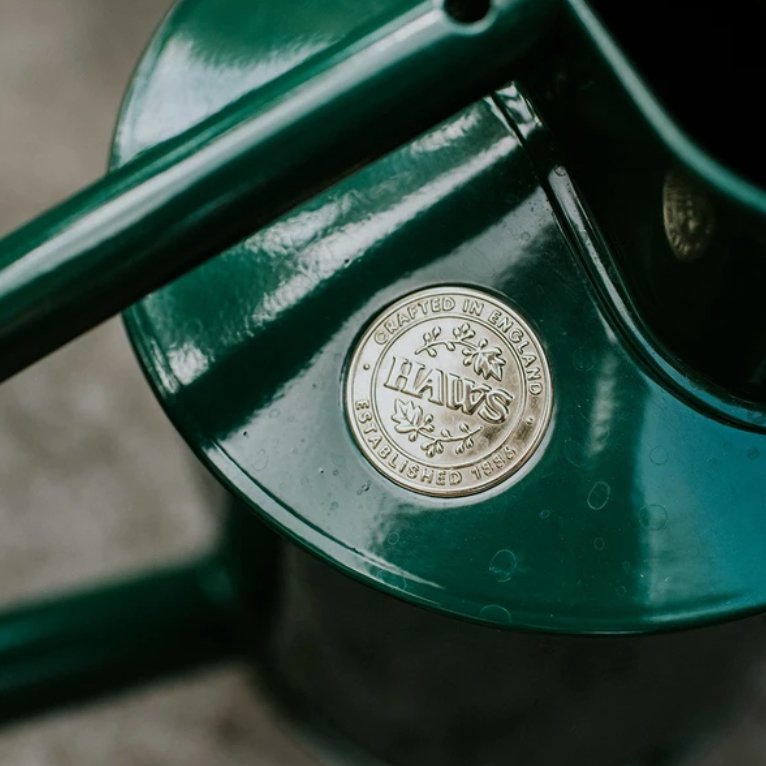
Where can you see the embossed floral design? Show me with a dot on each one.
(486, 360)
(411, 420)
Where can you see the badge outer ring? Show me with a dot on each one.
(352, 376)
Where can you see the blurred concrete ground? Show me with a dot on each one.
(94, 481)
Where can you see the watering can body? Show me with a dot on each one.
(569, 197)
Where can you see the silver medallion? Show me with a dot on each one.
(448, 391)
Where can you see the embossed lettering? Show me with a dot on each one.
(466, 395)
(403, 374)
(473, 307)
(502, 321)
(431, 382)
(449, 390)
(497, 406)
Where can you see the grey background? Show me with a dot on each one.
(94, 481)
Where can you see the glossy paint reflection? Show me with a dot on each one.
(169, 208)
(621, 522)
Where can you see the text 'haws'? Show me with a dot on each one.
(449, 390)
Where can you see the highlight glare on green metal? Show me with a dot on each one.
(644, 510)
(200, 192)
(617, 525)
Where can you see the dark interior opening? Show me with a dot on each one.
(707, 63)
(467, 11)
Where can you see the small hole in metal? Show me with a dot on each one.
(467, 11)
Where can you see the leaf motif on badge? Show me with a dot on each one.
(489, 363)
(407, 416)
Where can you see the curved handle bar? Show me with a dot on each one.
(193, 196)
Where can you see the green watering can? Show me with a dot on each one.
(458, 301)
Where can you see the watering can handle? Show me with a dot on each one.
(193, 196)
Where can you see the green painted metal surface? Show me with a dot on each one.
(630, 161)
(86, 644)
(180, 203)
(644, 509)
(415, 688)
(74, 646)
(642, 512)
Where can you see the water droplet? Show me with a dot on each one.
(626, 566)
(496, 613)
(393, 538)
(364, 488)
(260, 460)
(573, 453)
(333, 506)
(503, 565)
(274, 413)
(599, 495)
(621, 591)
(599, 543)
(659, 456)
(753, 453)
(583, 359)
(544, 514)
(653, 517)
(335, 472)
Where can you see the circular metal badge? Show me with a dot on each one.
(448, 391)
